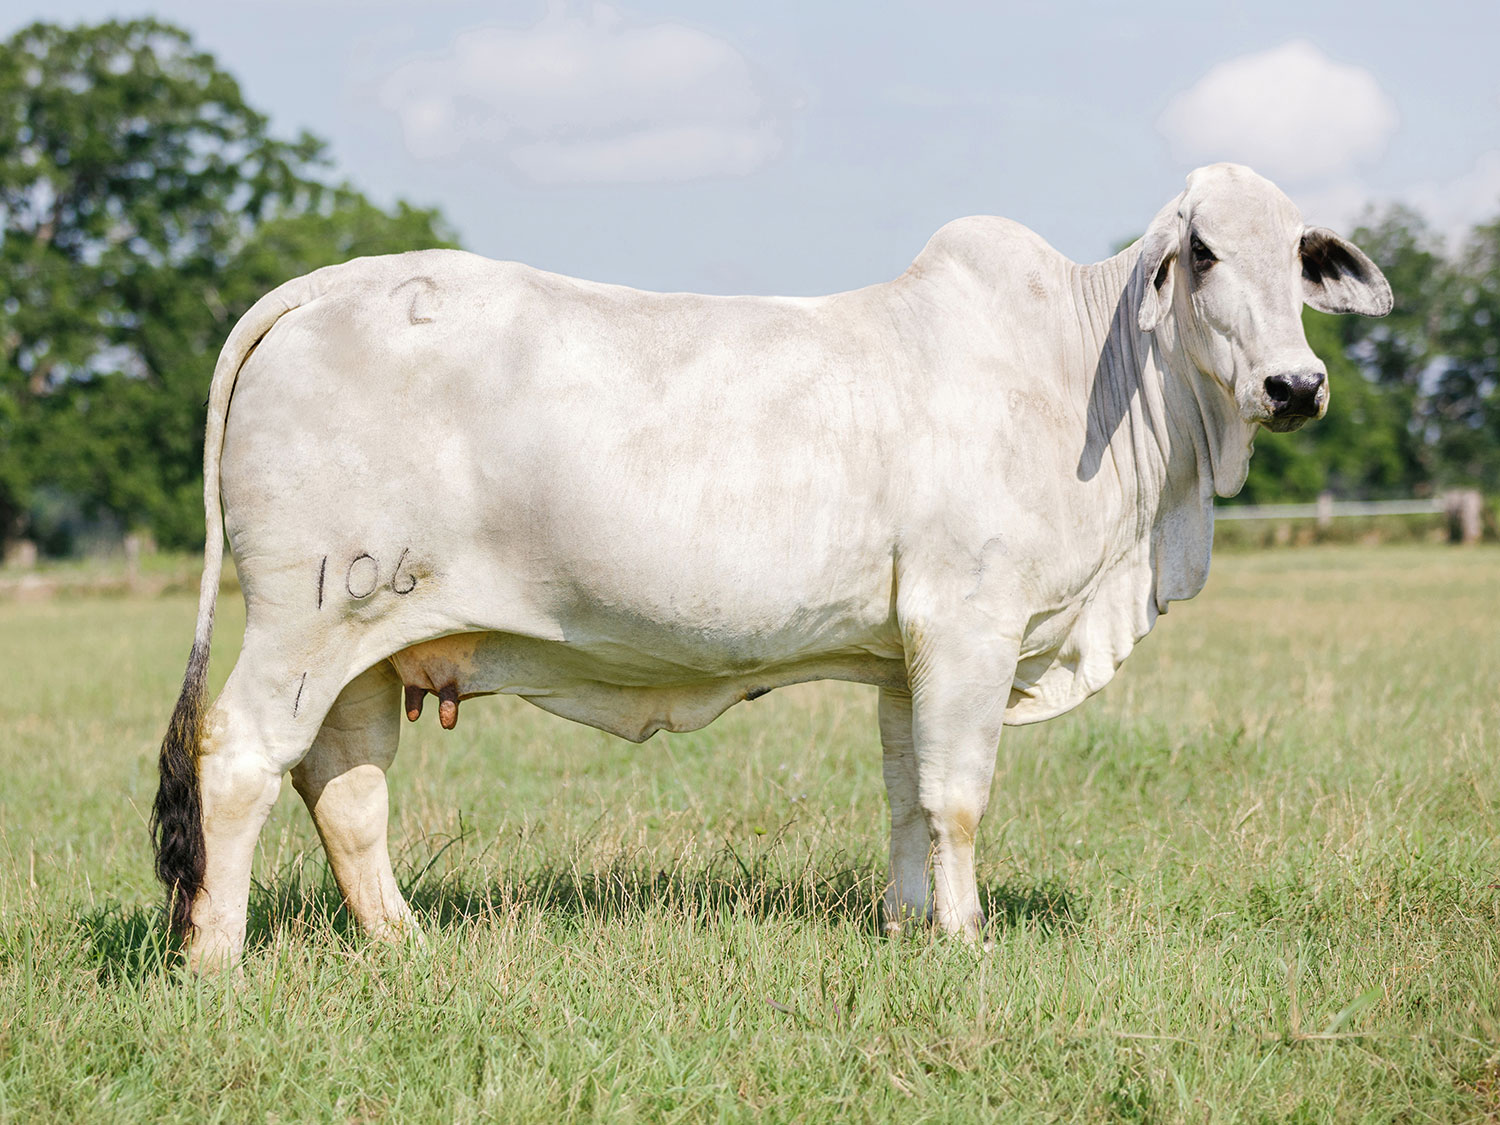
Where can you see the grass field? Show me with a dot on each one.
(1251, 881)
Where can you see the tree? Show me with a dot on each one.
(1464, 399)
(143, 207)
(1397, 351)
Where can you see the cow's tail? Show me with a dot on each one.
(177, 814)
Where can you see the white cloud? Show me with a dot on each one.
(1291, 112)
(680, 152)
(1453, 206)
(1338, 204)
(589, 97)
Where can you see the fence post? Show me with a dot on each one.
(1325, 511)
(132, 562)
(1464, 508)
(20, 554)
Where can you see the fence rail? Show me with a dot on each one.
(1330, 510)
(1463, 507)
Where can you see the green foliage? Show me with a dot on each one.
(1395, 349)
(1465, 396)
(143, 207)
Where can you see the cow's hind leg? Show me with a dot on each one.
(245, 749)
(342, 780)
(261, 725)
(908, 889)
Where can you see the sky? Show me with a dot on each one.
(798, 147)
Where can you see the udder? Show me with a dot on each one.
(447, 668)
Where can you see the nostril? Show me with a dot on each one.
(1279, 390)
(1306, 387)
(1295, 394)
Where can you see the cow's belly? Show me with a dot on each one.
(626, 692)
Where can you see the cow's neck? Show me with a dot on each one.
(1159, 427)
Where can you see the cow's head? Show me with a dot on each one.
(1232, 261)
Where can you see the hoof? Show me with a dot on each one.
(399, 931)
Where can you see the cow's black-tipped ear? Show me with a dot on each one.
(1158, 255)
(1337, 277)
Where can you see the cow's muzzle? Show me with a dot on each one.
(1294, 398)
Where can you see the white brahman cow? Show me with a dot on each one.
(974, 487)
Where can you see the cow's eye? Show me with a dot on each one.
(1203, 257)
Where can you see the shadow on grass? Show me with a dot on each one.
(130, 944)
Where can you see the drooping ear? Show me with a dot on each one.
(1337, 277)
(1158, 255)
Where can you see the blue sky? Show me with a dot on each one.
(809, 147)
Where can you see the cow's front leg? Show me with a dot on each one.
(907, 893)
(959, 688)
(342, 781)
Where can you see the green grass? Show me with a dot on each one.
(1249, 882)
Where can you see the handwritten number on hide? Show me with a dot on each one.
(363, 576)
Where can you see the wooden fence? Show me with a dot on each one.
(1464, 508)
